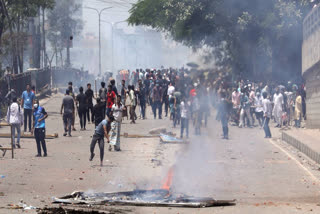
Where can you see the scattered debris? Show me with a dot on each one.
(158, 198)
(156, 161)
(126, 135)
(21, 205)
(157, 131)
(169, 139)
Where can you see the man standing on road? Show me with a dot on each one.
(185, 116)
(123, 92)
(245, 110)
(68, 107)
(111, 97)
(113, 85)
(98, 112)
(15, 119)
(103, 96)
(39, 128)
(71, 93)
(101, 131)
(223, 115)
(157, 101)
(267, 113)
(278, 107)
(116, 112)
(90, 95)
(142, 99)
(27, 104)
(82, 103)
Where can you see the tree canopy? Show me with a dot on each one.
(63, 24)
(251, 36)
(14, 16)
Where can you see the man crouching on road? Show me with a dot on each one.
(101, 131)
(39, 128)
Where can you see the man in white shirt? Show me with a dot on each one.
(185, 116)
(278, 106)
(267, 113)
(116, 112)
(258, 108)
(171, 90)
(14, 118)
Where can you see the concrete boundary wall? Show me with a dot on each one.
(315, 156)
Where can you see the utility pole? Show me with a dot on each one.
(113, 24)
(99, 14)
(45, 58)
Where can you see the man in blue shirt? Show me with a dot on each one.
(101, 131)
(27, 105)
(39, 128)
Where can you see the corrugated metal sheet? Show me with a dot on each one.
(313, 99)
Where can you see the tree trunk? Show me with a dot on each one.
(19, 42)
(15, 66)
(68, 56)
(3, 16)
(61, 59)
(1, 27)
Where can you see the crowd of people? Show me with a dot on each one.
(183, 96)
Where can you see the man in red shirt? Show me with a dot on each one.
(111, 96)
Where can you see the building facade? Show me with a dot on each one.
(311, 66)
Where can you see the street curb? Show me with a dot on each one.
(315, 156)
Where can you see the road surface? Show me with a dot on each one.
(264, 176)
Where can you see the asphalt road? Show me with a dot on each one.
(264, 176)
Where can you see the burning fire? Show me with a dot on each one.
(168, 180)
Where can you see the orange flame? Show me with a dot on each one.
(168, 181)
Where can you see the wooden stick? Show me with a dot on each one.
(6, 135)
(5, 148)
(139, 136)
(126, 135)
(12, 152)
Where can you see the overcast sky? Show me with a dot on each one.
(119, 12)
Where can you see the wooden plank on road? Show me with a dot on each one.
(50, 136)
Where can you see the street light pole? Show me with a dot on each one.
(112, 41)
(99, 15)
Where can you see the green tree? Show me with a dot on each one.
(15, 15)
(64, 24)
(244, 35)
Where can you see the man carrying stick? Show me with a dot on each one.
(101, 131)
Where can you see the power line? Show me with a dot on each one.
(114, 2)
